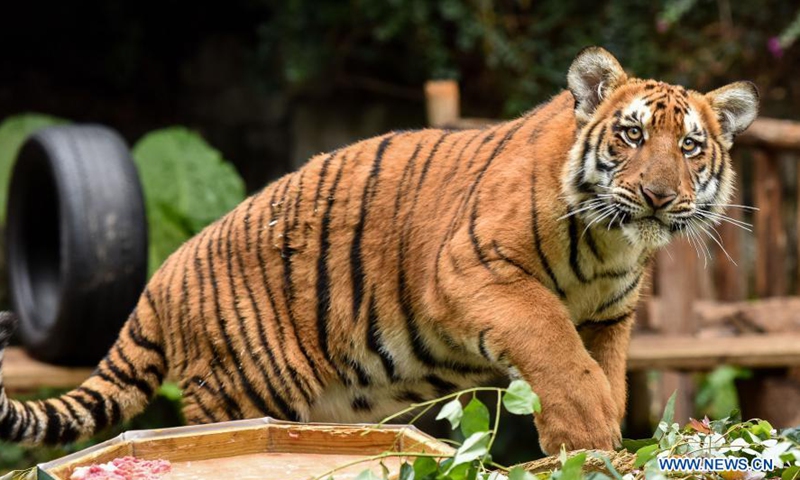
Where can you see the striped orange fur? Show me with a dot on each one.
(406, 266)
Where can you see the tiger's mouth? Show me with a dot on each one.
(650, 231)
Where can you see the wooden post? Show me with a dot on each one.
(442, 102)
(677, 283)
(770, 235)
(730, 280)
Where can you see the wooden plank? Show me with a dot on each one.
(771, 132)
(730, 279)
(21, 373)
(770, 235)
(656, 352)
(294, 447)
(677, 287)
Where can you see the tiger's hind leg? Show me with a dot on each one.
(203, 403)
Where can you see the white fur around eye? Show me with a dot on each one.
(638, 108)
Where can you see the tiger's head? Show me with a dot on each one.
(649, 157)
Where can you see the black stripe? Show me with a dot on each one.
(538, 241)
(96, 407)
(262, 265)
(361, 404)
(361, 374)
(608, 322)
(260, 321)
(619, 296)
(232, 409)
(442, 386)
(482, 344)
(510, 260)
(593, 245)
(574, 245)
(256, 359)
(286, 249)
(222, 322)
(246, 221)
(711, 173)
(131, 379)
(134, 329)
(356, 255)
(109, 376)
(199, 400)
(69, 431)
(408, 172)
(409, 396)
(323, 278)
(578, 181)
(473, 190)
(322, 175)
(374, 342)
(53, 432)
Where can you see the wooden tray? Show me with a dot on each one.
(256, 449)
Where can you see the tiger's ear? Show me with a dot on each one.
(592, 76)
(736, 106)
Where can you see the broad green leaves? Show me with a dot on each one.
(475, 419)
(187, 185)
(476, 446)
(13, 133)
(471, 460)
(520, 399)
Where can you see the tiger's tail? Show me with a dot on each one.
(120, 387)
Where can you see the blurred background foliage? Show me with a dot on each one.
(270, 83)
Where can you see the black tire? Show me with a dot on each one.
(76, 242)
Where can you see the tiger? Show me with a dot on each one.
(408, 266)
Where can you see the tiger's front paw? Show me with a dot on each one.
(585, 415)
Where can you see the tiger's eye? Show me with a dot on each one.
(633, 135)
(690, 146)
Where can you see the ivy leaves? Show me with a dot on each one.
(520, 399)
(472, 456)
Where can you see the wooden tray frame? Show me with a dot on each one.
(248, 437)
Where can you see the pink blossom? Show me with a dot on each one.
(775, 48)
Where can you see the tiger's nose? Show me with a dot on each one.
(658, 197)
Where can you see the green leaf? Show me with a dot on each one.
(406, 472)
(425, 467)
(669, 412)
(633, 446)
(791, 473)
(644, 454)
(762, 429)
(609, 466)
(170, 391)
(13, 133)
(475, 419)
(596, 476)
(519, 399)
(573, 467)
(519, 473)
(452, 411)
(186, 182)
(460, 472)
(792, 434)
(473, 448)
